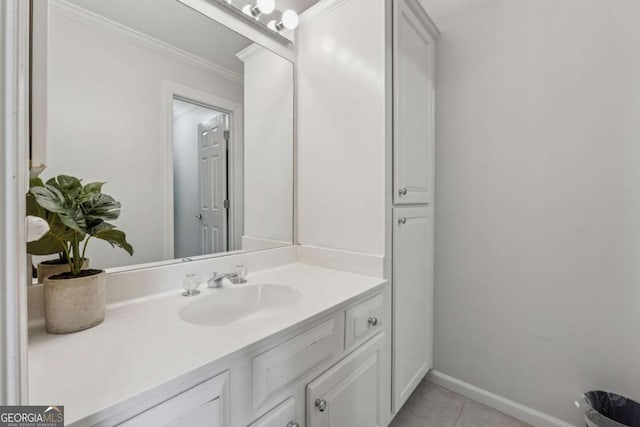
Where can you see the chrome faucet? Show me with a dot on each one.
(216, 279)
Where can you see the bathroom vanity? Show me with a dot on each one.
(311, 346)
(231, 149)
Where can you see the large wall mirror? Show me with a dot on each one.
(189, 123)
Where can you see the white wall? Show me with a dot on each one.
(105, 124)
(188, 240)
(268, 148)
(341, 128)
(538, 198)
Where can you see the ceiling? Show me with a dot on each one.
(281, 5)
(178, 25)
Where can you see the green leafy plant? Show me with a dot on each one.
(75, 213)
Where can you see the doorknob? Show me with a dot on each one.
(403, 191)
(321, 404)
(199, 216)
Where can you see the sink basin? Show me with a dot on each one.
(243, 302)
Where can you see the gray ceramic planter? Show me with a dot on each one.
(46, 270)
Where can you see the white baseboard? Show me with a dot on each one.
(499, 403)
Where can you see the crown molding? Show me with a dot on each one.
(250, 51)
(317, 10)
(421, 12)
(84, 16)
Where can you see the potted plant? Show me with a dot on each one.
(49, 244)
(76, 213)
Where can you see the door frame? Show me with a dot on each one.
(235, 171)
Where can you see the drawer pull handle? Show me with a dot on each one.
(373, 321)
(293, 424)
(321, 404)
(403, 191)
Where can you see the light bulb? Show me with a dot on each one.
(290, 19)
(266, 6)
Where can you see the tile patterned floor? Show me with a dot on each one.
(433, 406)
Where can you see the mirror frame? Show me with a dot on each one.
(14, 180)
(224, 16)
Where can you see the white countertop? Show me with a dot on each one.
(144, 343)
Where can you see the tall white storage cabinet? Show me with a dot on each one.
(366, 116)
(414, 37)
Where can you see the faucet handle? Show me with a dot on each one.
(239, 274)
(190, 284)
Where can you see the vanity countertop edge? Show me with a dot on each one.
(92, 375)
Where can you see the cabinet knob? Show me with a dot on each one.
(373, 321)
(321, 404)
(293, 424)
(402, 220)
(199, 216)
(403, 191)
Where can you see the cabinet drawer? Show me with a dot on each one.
(363, 320)
(284, 364)
(201, 405)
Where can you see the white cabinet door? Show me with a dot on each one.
(284, 415)
(412, 299)
(204, 405)
(348, 393)
(414, 104)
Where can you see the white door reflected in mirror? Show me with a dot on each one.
(201, 172)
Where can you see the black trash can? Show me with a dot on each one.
(604, 409)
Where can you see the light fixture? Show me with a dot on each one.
(289, 21)
(262, 7)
